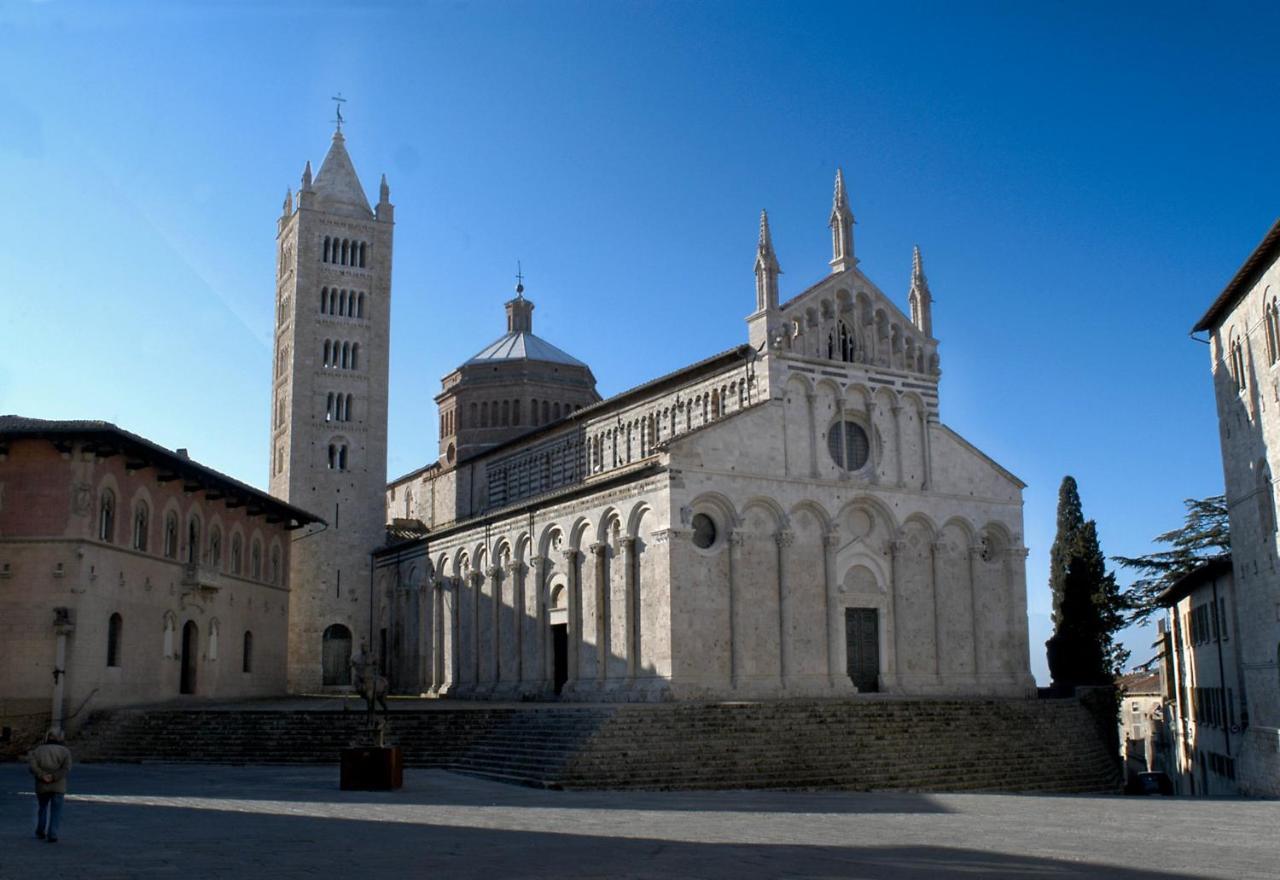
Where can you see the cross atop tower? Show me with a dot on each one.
(338, 101)
(519, 280)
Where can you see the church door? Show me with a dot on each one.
(862, 647)
(190, 652)
(560, 654)
(335, 657)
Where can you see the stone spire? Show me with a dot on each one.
(384, 191)
(288, 201)
(767, 269)
(337, 185)
(841, 224)
(306, 177)
(920, 299)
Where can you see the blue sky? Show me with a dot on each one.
(1082, 181)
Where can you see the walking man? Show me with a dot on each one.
(50, 763)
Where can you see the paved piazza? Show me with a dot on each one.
(186, 821)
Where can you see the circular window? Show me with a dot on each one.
(450, 453)
(848, 444)
(704, 531)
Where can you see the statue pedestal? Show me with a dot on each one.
(372, 768)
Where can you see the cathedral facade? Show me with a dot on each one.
(786, 518)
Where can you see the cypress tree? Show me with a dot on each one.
(1088, 606)
(1070, 521)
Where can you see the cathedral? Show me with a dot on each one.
(789, 517)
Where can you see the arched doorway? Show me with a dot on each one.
(336, 655)
(559, 619)
(190, 652)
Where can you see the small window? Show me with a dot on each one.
(246, 662)
(256, 559)
(171, 536)
(115, 627)
(275, 565)
(107, 516)
(848, 445)
(704, 531)
(237, 553)
(193, 540)
(140, 522)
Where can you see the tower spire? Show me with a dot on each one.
(919, 298)
(841, 224)
(767, 269)
(306, 177)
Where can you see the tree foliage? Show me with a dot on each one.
(1088, 608)
(1204, 535)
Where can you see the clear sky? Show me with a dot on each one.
(1082, 178)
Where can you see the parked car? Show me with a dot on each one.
(1150, 782)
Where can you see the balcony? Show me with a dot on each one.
(201, 576)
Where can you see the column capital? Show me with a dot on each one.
(599, 549)
(516, 567)
(541, 562)
(785, 538)
(831, 538)
(494, 571)
(897, 548)
(571, 555)
(735, 537)
(629, 543)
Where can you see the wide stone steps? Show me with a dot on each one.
(1009, 745)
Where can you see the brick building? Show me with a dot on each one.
(131, 574)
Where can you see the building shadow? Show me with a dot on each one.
(132, 840)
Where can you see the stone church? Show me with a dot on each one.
(786, 518)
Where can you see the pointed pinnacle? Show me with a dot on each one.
(306, 176)
(917, 265)
(766, 240)
(841, 200)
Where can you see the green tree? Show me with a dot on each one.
(1088, 608)
(1204, 535)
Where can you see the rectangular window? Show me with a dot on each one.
(1222, 607)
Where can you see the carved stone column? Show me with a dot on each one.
(830, 544)
(813, 433)
(871, 439)
(437, 635)
(600, 551)
(844, 469)
(734, 549)
(926, 451)
(514, 674)
(495, 628)
(476, 582)
(896, 549)
(1016, 596)
(783, 539)
(975, 554)
(542, 677)
(630, 562)
(936, 549)
(897, 438)
(571, 560)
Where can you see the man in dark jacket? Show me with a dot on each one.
(50, 763)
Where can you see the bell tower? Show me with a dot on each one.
(329, 406)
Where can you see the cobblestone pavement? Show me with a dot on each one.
(192, 821)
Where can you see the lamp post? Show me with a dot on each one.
(62, 626)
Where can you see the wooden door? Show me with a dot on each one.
(862, 647)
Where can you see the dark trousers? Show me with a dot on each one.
(49, 813)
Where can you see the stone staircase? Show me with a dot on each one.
(934, 745)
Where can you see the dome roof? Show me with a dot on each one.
(523, 345)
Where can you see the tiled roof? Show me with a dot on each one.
(1141, 682)
(524, 346)
(112, 437)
